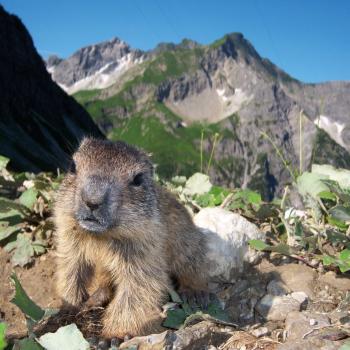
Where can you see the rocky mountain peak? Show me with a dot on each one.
(52, 61)
(94, 66)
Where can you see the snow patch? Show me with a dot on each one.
(102, 78)
(51, 69)
(332, 128)
(232, 103)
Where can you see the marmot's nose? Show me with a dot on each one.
(94, 192)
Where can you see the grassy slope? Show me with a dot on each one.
(175, 149)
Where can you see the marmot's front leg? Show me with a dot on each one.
(136, 306)
(73, 275)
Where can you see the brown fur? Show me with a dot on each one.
(152, 239)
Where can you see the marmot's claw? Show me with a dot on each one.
(104, 344)
(195, 298)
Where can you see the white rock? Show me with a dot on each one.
(260, 332)
(228, 235)
(276, 308)
(301, 297)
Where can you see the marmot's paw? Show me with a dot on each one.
(104, 344)
(100, 297)
(196, 298)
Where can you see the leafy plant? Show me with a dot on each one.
(177, 316)
(3, 343)
(25, 228)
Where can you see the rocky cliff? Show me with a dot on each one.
(40, 125)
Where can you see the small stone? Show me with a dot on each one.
(260, 332)
(339, 282)
(313, 322)
(276, 308)
(299, 323)
(314, 262)
(277, 288)
(155, 341)
(298, 278)
(301, 297)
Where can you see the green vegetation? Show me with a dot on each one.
(171, 64)
(25, 206)
(86, 95)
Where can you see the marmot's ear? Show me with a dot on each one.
(85, 141)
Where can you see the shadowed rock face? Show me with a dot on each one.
(40, 125)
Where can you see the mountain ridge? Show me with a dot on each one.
(228, 88)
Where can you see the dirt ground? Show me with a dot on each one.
(325, 309)
(38, 281)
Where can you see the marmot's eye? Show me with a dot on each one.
(72, 168)
(137, 180)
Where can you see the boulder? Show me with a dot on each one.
(228, 235)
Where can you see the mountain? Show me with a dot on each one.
(40, 124)
(95, 66)
(223, 104)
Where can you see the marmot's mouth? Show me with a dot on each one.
(92, 224)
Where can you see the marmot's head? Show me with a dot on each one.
(110, 184)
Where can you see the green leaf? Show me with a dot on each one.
(27, 344)
(3, 162)
(38, 249)
(26, 305)
(258, 244)
(345, 255)
(24, 251)
(335, 236)
(7, 205)
(311, 184)
(344, 267)
(338, 223)
(249, 196)
(340, 213)
(3, 327)
(215, 310)
(175, 318)
(327, 195)
(341, 176)
(299, 232)
(28, 197)
(328, 260)
(281, 248)
(6, 230)
(206, 200)
(197, 184)
(67, 337)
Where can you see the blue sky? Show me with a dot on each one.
(309, 39)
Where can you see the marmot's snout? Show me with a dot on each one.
(96, 204)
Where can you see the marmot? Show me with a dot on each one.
(117, 227)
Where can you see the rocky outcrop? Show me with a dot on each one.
(40, 125)
(95, 66)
